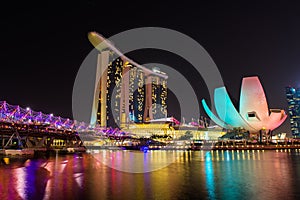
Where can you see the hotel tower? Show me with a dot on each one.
(128, 93)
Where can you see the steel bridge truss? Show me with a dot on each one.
(16, 114)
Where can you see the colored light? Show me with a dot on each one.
(252, 100)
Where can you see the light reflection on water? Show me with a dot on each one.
(243, 174)
(137, 161)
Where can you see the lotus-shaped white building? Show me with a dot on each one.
(254, 114)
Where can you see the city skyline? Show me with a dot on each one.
(150, 100)
(243, 40)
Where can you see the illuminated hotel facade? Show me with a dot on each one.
(127, 93)
(293, 99)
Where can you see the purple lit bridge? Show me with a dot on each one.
(23, 128)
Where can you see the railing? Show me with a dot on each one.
(15, 114)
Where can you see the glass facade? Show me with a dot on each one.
(293, 99)
(138, 102)
(114, 78)
(159, 97)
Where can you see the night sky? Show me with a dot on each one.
(43, 46)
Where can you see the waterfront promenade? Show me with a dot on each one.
(24, 131)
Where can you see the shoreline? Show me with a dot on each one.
(88, 149)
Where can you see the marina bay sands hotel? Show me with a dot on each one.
(127, 92)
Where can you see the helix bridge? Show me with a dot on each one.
(14, 115)
(25, 128)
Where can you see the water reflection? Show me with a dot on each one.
(245, 174)
(31, 180)
(137, 161)
(192, 175)
(209, 175)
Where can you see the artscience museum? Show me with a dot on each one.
(253, 114)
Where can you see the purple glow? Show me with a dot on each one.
(16, 114)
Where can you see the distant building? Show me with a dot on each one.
(293, 99)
